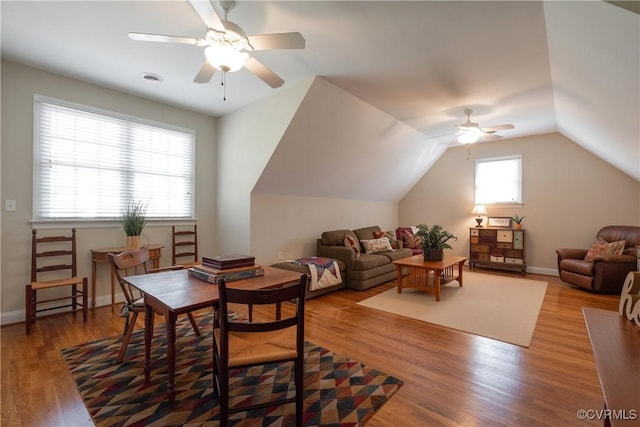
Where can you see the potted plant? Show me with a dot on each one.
(434, 241)
(517, 221)
(133, 221)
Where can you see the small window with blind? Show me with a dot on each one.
(90, 164)
(499, 180)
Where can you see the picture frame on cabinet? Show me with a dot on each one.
(499, 221)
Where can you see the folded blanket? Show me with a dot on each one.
(324, 272)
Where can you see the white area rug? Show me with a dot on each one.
(499, 307)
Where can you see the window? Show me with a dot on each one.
(499, 180)
(90, 164)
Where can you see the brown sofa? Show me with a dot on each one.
(367, 270)
(604, 274)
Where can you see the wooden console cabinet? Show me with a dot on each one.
(497, 247)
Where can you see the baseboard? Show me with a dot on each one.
(20, 315)
(542, 270)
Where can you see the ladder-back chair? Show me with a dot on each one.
(48, 255)
(184, 244)
(244, 344)
(130, 263)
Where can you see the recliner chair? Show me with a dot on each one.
(604, 274)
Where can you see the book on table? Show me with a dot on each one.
(224, 262)
(212, 275)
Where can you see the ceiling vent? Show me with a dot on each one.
(151, 78)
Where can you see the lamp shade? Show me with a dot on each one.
(479, 210)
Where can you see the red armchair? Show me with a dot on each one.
(405, 235)
(604, 274)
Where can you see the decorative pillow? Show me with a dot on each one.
(376, 245)
(389, 235)
(410, 240)
(601, 248)
(350, 242)
(617, 248)
(598, 248)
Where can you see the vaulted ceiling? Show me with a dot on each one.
(571, 67)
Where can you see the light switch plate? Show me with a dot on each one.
(10, 205)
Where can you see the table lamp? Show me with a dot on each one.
(479, 210)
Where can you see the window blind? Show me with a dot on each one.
(90, 163)
(499, 180)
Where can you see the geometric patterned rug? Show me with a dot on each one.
(338, 391)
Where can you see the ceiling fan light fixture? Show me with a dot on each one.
(225, 58)
(468, 137)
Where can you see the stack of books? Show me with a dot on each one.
(228, 267)
(223, 262)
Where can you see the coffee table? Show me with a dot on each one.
(418, 273)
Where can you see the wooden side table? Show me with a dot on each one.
(616, 348)
(102, 256)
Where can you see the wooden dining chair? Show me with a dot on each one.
(184, 245)
(239, 344)
(129, 263)
(53, 265)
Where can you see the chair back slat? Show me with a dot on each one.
(290, 292)
(180, 240)
(45, 251)
(129, 263)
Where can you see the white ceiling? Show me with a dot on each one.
(571, 67)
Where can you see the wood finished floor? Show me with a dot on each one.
(451, 378)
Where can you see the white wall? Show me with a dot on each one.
(569, 194)
(19, 84)
(291, 224)
(246, 140)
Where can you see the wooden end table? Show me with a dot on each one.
(418, 273)
(615, 341)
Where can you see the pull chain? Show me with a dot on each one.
(224, 87)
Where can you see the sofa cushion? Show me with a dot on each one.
(398, 254)
(389, 235)
(367, 233)
(336, 237)
(351, 242)
(376, 245)
(369, 261)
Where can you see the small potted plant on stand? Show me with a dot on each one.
(517, 221)
(434, 241)
(133, 221)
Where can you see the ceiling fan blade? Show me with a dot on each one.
(490, 137)
(162, 38)
(277, 41)
(264, 73)
(491, 129)
(208, 14)
(205, 74)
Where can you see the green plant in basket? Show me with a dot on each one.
(434, 241)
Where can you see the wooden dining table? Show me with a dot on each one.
(173, 293)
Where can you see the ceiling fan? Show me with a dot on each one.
(470, 132)
(228, 48)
